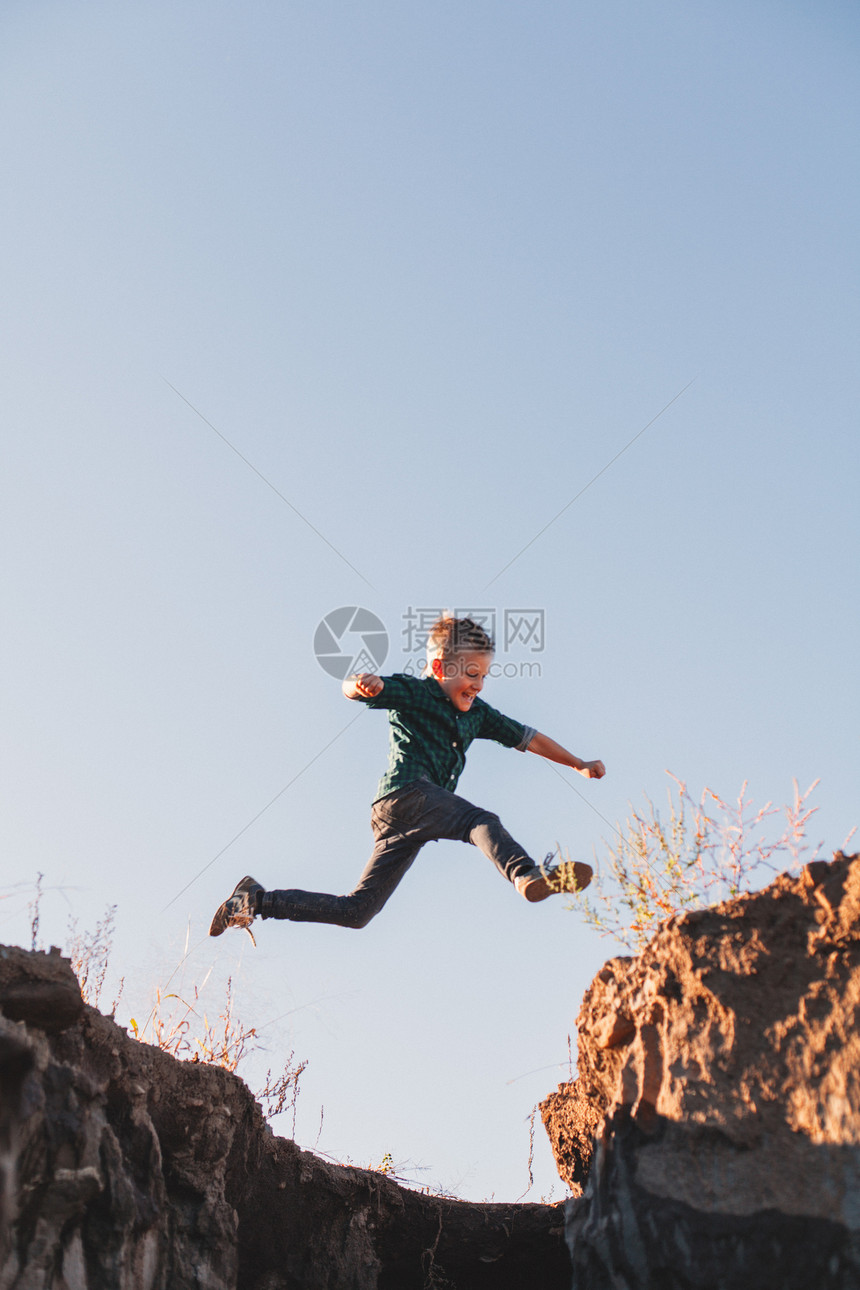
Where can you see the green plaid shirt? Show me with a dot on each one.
(428, 736)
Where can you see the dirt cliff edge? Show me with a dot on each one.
(712, 1135)
(124, 1169)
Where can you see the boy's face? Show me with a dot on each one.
(462, 676)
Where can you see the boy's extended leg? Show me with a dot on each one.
(386, 867)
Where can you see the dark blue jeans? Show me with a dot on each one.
(402, 822)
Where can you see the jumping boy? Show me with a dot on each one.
(432, 723)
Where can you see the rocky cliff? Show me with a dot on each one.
(712, 1136)
(123, 1169)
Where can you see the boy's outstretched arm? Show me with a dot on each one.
(546, 747)
(365, 684)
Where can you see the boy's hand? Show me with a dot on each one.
(593, 769)
(366, 684)
(369, 685)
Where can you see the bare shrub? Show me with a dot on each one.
(280, 1093)
(33, 908)
(697, 854)
(90, 953)
(176, 1026)
(224, 1041)
(179, 1027)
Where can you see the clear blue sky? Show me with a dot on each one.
(428, 268)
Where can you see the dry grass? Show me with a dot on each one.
(280, 1093)
(177, 1023)
(33, 908)
(697, 854)
(90, 953)
(179, 1027)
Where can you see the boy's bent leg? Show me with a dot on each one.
(441, 814)
(533, 882)
(491, 837)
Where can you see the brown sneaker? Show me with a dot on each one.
(238, 909)
(538, 883)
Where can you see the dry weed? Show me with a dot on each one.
(89, 953)
(177, 1026)
(173, 1021)
(703, 852)
(225, 1041)
(33, 908)
(281, 1094)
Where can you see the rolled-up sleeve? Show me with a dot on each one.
(504, 730)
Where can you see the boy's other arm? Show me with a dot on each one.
(364, 684)
(546, 747)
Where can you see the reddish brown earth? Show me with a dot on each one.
(123, 1169)
(712, 1135)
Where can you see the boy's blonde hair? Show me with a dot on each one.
(450, 635)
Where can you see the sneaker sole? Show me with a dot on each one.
(219, 922)
(540, 888)
(584, 874)
(537, 889)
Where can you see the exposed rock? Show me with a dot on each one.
(33, 990)
(139, 1172)
(712, 1137)
(16, 1060)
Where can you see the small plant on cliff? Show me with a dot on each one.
(224, 1041)
(180, 1027)
(280, 1093)
(34, 909)
(696, 854)
(177, 1026)
(89, 953)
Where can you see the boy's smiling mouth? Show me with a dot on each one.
(462, 677)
